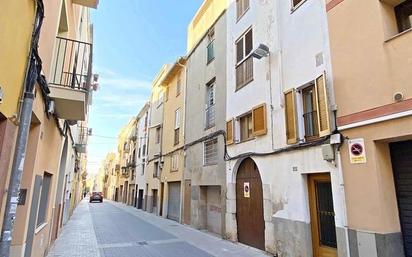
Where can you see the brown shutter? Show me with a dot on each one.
(290, 117)
(259, 120)
(229, 132)
(322, 106)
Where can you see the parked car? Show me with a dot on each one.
(96, 196)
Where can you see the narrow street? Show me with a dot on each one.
(111, 229)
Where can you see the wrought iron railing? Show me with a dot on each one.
(210, 116)
(72, 66)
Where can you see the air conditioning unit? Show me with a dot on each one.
(162, 160)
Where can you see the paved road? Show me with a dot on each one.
(115, 230)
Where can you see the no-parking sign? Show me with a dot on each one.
(246, 189)
(357, 152)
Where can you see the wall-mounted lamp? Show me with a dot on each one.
(261, 51)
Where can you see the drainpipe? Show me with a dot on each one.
(32, 73)
(343, 196)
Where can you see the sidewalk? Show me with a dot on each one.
(77, 238)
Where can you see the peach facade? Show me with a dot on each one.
(372, 82)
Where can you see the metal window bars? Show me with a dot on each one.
(72, 64)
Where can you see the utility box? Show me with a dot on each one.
(328, 153)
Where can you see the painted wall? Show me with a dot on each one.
(15, 50)
(142, 137)
(203, 19)
(199, 74)
(294, 39)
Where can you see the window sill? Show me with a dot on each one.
(210, 61)
(40, 228)
(398, 35)
(209, 164)
(244, 85)
(294, 8)
(246, 140)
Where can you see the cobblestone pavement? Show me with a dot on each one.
(115, 230)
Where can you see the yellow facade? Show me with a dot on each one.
(207, 14)
(15, 31)
(173, 130)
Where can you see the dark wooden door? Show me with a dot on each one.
(249, 205)
(322, 216)
(401, 155)
(140, 199)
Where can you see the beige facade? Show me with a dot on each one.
(372, 82)
(173, 140)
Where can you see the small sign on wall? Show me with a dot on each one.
(246, 189)
(357, 152)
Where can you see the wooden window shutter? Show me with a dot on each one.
(322, 106)
(229, 132)
(259, 127)
(290, 117)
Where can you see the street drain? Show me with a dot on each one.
(142, 243)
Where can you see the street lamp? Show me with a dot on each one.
(261, 51)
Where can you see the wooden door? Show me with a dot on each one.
(249, 205)
(140, 199)
(187, 201)
(322, 216)
(401, 156)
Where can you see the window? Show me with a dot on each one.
(310, 117)
(314, 110)
(210, 46)
(175, 162)
(144, 150)
(403, 13)
(177, 126)
(246, 124)
(296, 3)
(156, 170)
(158, 135)
(241, 7)
(178, 87)
(210, 105)
(143, 167)
(210, 152)
(244, 59)
(44, 199)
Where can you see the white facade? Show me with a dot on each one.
(295, 38)
(141, 152)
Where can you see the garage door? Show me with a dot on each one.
(173, 210)
(214, 210)
(401, 155)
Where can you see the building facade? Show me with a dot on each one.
(155, 161)
(174, 86)
(372, 81)
(205, 107)
(51, 165)
(279, 126)
(141, 154)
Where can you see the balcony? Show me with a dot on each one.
(83, 136)
(70, 78)
(87, 3)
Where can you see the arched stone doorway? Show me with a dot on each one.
(249, 205)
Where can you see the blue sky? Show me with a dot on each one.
(132, 40)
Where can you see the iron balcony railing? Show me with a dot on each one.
(72, 66)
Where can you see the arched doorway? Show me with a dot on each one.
(249, 205)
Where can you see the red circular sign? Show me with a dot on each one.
(356, 149)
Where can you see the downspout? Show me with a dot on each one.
(32, 75)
